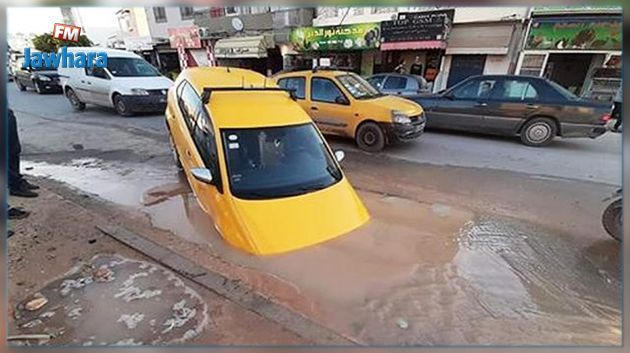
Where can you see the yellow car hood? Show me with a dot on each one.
(403, 105)
(279, 225)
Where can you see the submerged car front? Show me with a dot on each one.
(286, 189)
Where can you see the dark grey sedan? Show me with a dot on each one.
(399, 84)
(534, 108)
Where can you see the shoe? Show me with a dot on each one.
(16, 213)
(23, 192)
(26, 185)
(10, 233)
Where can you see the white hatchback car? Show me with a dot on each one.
(129, 83)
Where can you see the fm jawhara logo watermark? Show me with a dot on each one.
(63, 57)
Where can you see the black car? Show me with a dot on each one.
(42, 80)
(534, 108)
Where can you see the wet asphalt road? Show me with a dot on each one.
(485, 252)
(596, 160)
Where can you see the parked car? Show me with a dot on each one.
(256, 162)
(42, 79)
(128, 83)
(534, 108)
(399, 84)
(343, 103)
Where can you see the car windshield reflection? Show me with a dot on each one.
(276, 162)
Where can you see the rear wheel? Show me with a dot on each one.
(612, 219)
(38, 88)
(74, 100)
(370, 137)
(538, 132)
(19, 85)
(122, 108)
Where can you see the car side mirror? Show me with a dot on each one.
(340, 155)
(341, 100)
(202, 174)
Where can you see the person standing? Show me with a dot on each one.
(18, 186)
(416, 67)
(617, 109)
(401, 67)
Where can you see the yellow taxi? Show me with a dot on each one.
(256, 162)
(343, 103)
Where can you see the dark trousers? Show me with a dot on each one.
(616, 114)
(15, 178)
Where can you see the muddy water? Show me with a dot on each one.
(114, 301)
(422, 273)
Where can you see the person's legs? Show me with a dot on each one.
(17, 185)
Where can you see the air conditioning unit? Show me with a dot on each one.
(204, 32)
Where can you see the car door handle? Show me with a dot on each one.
(314, 108)
(481, 104)
(531, 106)
(188, 154)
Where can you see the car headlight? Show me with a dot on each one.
(400, 117)
(43, 78)
(139, 91)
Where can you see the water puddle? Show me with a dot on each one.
(113, 301)
(417, 273)
(123, 185)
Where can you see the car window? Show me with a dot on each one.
(189, 104)
(413, 84)
(96, 71)
(395, 82)
(324, 90)
(376, 81)
(298, 84)
(204, 138)
(358, 87)
(131, 67)
(475, 89)
(517, 90)
(273, 162)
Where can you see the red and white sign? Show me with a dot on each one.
(184, 37)
(66, 32)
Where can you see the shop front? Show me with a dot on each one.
(257, 53)
(581, 53)
(349, 47)
(415, 43)
(480, 49)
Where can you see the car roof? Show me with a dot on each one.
(319, 72)
(243, 108)
(114, 53)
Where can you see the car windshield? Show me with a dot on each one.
(563, 91)
(266, 163)
(130, 67)
(358, 87)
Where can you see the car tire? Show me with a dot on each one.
(538, 132)
(612, 219)
(122, 108)
(38, 88)
(178, 161)
(74, 100)
(19, 85)
(370, 137)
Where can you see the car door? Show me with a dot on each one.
(97, 85)
(23, 75)
(298, 85)
(329, 107)
(514, 100)
(464, 106)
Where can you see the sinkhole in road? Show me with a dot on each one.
(418, 273)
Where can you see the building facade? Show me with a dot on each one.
(576, 47)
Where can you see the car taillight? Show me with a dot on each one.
(605, 118)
